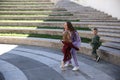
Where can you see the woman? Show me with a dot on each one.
(67, 46)
(75, 38)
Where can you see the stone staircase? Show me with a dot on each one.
(32, 63)
(27, 13)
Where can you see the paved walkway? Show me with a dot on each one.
(18, 62)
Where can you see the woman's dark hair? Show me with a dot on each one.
(70, 26)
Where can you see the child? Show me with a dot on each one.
(66, 48)
(95, 44)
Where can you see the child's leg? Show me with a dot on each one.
(94, 53)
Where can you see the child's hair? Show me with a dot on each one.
(95, 29)
(66, 36)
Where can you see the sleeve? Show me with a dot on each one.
(76, 40)
(72, 46)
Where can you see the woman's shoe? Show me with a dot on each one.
(76, 68)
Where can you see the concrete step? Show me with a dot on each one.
(112, 45)
(30, 9)
(20, 13)
(25, 0)
(97, 17)
(26, 6)
(34, 13)
(11, 72)
(38, 23)
(1, 76)
(85, 34)
(109, 30)
(26, 3)
(105, 27)
(89, 12)
(110, 39)
(51, 18)
(86, 15)
(98, 20)
(39, 18)
(105, 53)
(107, 34)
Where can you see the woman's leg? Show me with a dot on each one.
(74, 55)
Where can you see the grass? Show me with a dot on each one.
(86, 40)
(61, 20)
(21, 21)
(77, 28)
(83, 28)
(43, 27)
(18, 27)
(61, 15)
(25, 15)
(33, 10)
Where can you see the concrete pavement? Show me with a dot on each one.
(19, 62)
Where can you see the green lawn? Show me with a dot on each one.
(86, 40)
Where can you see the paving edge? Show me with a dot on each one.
(1, 76)
(55, 43)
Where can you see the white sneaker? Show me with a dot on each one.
(62, 64)
(75, 68)
(67, 65)
(98, 58)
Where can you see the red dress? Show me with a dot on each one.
(66, 50)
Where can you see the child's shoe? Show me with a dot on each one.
(98, 58)
(68, 64)
(62, 65)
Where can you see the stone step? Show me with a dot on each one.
(105, 27)
(25, 0)
(1, 76)
(26, 3)
(111, 52)
(37, 23)
(11, 72)
(112, 45)
(39, 18)
(30, 9)
(107, 34)
(26, 6)
(97, 17)
(34, 13)
(110, 30)
(32, 68)
(110, 39)
(86, 34)
(93, 15)
(98, 20)
(18, 15)
(85, 48)
(89, 12)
